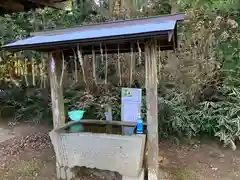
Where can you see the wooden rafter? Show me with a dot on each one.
(11, 5)
(50, 3)
(8, 6)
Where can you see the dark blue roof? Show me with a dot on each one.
(99, 32)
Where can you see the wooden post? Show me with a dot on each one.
(54, 69)
(152, 109)
(108, 111)
(94, 65)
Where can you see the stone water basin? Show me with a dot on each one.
(114, 152)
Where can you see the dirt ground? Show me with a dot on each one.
(29, 156)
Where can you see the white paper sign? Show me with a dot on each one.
(131, 107)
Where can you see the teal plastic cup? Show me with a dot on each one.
(76, 115)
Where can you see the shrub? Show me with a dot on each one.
(220, 118)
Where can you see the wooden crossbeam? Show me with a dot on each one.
(10, 5)
(50, 3)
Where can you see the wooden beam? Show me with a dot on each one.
(54, 69)
(152, 109)
(10, 5)
(50, 3)
(61, 5)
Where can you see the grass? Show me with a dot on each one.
(185, 174)
(28, 168)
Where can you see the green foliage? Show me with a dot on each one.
(34, 105)
(162, 7)
(29, 104)
(221, 118)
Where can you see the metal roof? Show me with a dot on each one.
(92, 34)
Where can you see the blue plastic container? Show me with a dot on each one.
(76, 115)
(139, 125)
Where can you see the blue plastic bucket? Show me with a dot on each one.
(76, 115)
